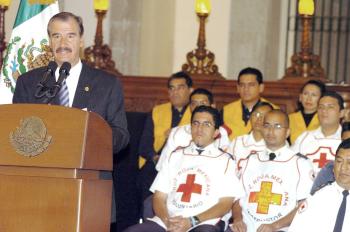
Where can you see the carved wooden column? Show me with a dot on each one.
(100, 55)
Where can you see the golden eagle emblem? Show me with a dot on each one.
(30, 138)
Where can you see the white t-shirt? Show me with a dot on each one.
(273, 188)
(244, 145)
(318, 148)
(181, 137)
(194, 183)
(319, 212)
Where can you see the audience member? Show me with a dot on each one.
(306, 119)
(275, 180)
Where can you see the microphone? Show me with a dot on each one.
(63, 73)
(50, 70)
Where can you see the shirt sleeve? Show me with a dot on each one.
(162, 181)
(146, 149)
(167, 149)
(306, 177)
(230, 186)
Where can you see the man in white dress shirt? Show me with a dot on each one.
(326, 209)
(275, 180)
(320, 145)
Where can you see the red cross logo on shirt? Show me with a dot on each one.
(189, 187)
(322, 160)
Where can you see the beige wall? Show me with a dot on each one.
(217, 32)
(152, 37)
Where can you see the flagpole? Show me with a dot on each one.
(3, 9)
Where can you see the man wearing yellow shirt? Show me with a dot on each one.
(236, 114)
(158, 125)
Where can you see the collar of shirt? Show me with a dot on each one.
(177, 115)
(208, 150)
(338, 188)
(282, 153)
(251, 140)
(319, 135)
(247, 112)
(72, 80)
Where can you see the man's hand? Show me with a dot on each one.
(178, 224)
(238, 226)
(266, 228)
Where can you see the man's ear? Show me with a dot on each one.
(261, 87)
(216, 133)
(342, 113)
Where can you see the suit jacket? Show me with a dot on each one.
(96, 91)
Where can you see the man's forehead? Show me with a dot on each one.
(203, 116)
(199, 97)
(247, 78)
(274, 118)
(178, 81)
(328, 100)
(344, 153)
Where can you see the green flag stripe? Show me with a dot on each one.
(27, 11)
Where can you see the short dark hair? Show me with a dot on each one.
(214, 113)
(345, 126)
(203, 92)
(181, 75)
(321, 86)
(65, 16)
(345, 144)
(260, 104)
(252, 71)
(335, 95)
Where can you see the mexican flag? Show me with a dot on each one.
(28, 47)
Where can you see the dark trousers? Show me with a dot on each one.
(150, 226)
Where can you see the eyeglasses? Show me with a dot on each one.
(258, 114)
(205, 124)
(274, 126)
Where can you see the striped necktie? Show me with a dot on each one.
(63, 94)
(341, 213)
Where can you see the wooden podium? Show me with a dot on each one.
(50, 163)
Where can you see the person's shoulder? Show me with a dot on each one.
(36, 73)
(99, 74)
(161, 106)
(294, 115)
(232, 104)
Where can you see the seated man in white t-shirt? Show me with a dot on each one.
(320, 145)
(275, 180)
(243, 145)
(196, 185)
(181, 136)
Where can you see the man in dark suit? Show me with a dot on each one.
(88, 88)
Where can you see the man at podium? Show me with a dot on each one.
(80, 86)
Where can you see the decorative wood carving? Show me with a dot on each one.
(201, 61)
(305, 63)
(100, 55)
(142, 93)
